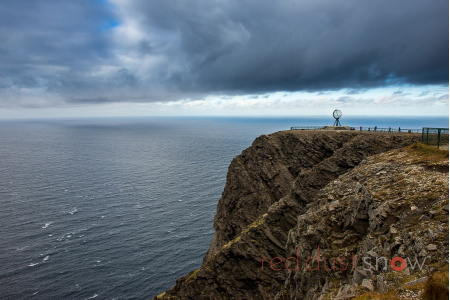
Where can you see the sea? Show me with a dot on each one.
(119, 208)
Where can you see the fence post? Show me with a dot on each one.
(428, 129)
(423, 129)
(439, 137)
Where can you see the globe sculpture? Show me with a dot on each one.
(337, 114)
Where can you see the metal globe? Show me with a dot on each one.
(337, 113)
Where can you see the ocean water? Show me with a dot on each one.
(119, 208)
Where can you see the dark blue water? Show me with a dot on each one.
(119, 208)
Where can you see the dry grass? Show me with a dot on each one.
(428, 153)
(375, 296)
(436, 287)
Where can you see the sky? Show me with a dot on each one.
(223, 57)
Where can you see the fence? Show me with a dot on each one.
(389, 129)
(361, 128)
(435, 136)
(306, 127)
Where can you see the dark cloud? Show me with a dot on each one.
(97, 100)
(159, 50)
(255, 46)
(51, 46)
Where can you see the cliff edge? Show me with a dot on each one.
(304, 213)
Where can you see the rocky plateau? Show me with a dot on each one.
(325, 215)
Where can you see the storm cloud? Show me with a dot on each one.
(146, 51)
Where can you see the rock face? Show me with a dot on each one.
(297, 195)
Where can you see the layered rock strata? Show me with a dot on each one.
(303, 193)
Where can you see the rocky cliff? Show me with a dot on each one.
(300, 207)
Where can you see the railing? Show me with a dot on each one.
(389, 129)
(306, 127)
(435, 136)
(361, 128)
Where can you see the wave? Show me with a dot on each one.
(46, 225)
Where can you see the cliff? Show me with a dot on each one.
(312, 196)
